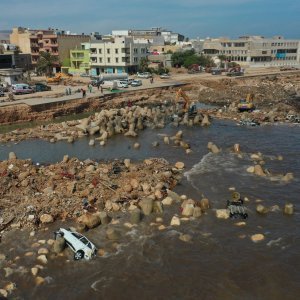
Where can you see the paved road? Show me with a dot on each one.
(95, 93)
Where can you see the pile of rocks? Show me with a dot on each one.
(105, 124)
(34, 195)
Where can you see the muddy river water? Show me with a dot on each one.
(220, 262)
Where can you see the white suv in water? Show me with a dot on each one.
(80, 245)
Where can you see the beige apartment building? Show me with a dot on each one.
(57, 43)
(35, 41)
(255, 51)
(117, 55)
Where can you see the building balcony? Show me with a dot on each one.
(77, 59)
(49, 36)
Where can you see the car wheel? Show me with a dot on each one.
(78, 255)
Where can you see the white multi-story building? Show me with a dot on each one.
(255, 51)
(156, 35)
(117, 55)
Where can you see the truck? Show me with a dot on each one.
(110, 84)
(111, 77)
(235, 71)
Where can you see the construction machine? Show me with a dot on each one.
(246, 104)
(191, 109)
(235, 71)
(58, 77)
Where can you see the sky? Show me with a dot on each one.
(192, 18)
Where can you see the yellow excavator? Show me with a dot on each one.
(246, 104)
(188, 106)
(58, 77)
(180, 93)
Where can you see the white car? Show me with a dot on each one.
(144, 75)
(136, 83)
(165, 76)
(79, 244)
(122, 84)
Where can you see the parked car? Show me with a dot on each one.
(122, 84)
(78, 243)
(84, 75)
(144, 75)
(136, 83)
(128, 80)
(4, 87)
(21, 88)
(96, 82)
(216, 71)
(165, 76)
(235, 73)
(41, 87)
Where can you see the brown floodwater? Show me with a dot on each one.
(220, 261)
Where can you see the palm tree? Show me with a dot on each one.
(46, 63)
(143, 65)
(222, 58)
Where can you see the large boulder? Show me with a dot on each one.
(12, 156)
(146, 205)
(288, 208)
(90, 220)
(167, 201)
(258, 170)
(179, 165)
(175, 221)
(135, 216)
(222, 213)
(258, 237)
(46, 218)
(59, 245)
(174, 196)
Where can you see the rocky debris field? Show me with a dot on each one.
(108, 122)
(268, 90)
(34, 195)
(275, 96)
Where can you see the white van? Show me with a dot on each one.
(21, 88)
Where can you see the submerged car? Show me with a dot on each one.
(79, 244)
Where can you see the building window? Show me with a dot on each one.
(117, 59)
(108, 51)
(100, 59)
(135, 59)
(135, 50)
(108, 59)
(116, 51)
(100, 51)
